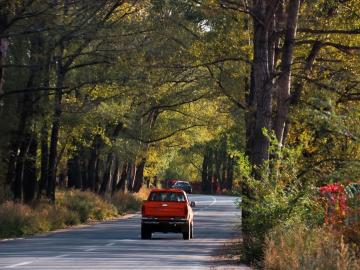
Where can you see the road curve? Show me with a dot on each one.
(117, 244)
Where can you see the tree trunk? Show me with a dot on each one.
(107, 174)
(260, 100)
(4, 43)
(15, 152)
(250, 114)
(44, 167)
(139, 175)
(263, 88)
(309, 63)
(19, 172)
(210, 171)
(217, 174)
(223, 182)
(44, 133)
(74, 172)
(29, 174)
(84, 173)
(63, 179)
(115, 175)
(230, 173)
(131, 170)
(121, 184)
(97, 174)
(93, 163)
(224, 162)
(206, 171)
(19, 148)
(55, 128)
(25, 106)
(284, 81)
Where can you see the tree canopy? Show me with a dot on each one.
(99, 95)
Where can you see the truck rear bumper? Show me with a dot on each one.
(165, 225)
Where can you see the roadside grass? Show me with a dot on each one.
(301, 248)
(73, 207)
(86, 205)
(128, 202)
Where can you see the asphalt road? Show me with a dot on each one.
(117, 244)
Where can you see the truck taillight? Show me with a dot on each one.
(186, 211)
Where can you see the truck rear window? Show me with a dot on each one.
(167, 197)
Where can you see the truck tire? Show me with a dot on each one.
(191, 230)
(145, 233)
(186, 233)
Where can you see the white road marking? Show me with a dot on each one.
(18, 264)
(128, 240)
(61, 256)
(207, 206)
(110, 244)
(90, 249)
(214, 201)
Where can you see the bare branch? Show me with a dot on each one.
(168, 106)
(330, 31)
(88, 64)
(344, 48)
(37, 89)
(224, 92)
(131, 136)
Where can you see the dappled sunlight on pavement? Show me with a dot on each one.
(117, 244)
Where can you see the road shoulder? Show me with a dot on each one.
(228, 257)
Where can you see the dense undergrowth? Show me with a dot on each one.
(300, 247)
(283, 220)
(73, 207)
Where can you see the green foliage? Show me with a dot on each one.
(173, 77)
(329, 134)
(185, 165)
(278, 198)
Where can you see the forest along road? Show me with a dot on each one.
(117, 244)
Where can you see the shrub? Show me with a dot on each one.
(351, 233)
(129, 202)
(301, 248)
(86, 205)
(5, 193)
(72, 207)
(275, 196)
(18, 220)
(60, 217)
(125, 202)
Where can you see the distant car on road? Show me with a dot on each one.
(167, 210)
(183, 185)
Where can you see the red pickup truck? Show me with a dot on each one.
(167, 210)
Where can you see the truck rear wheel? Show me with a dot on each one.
(186, 233)
(191, 230)
(145, 233)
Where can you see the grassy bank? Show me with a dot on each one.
(320, 248)
(73, 207)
